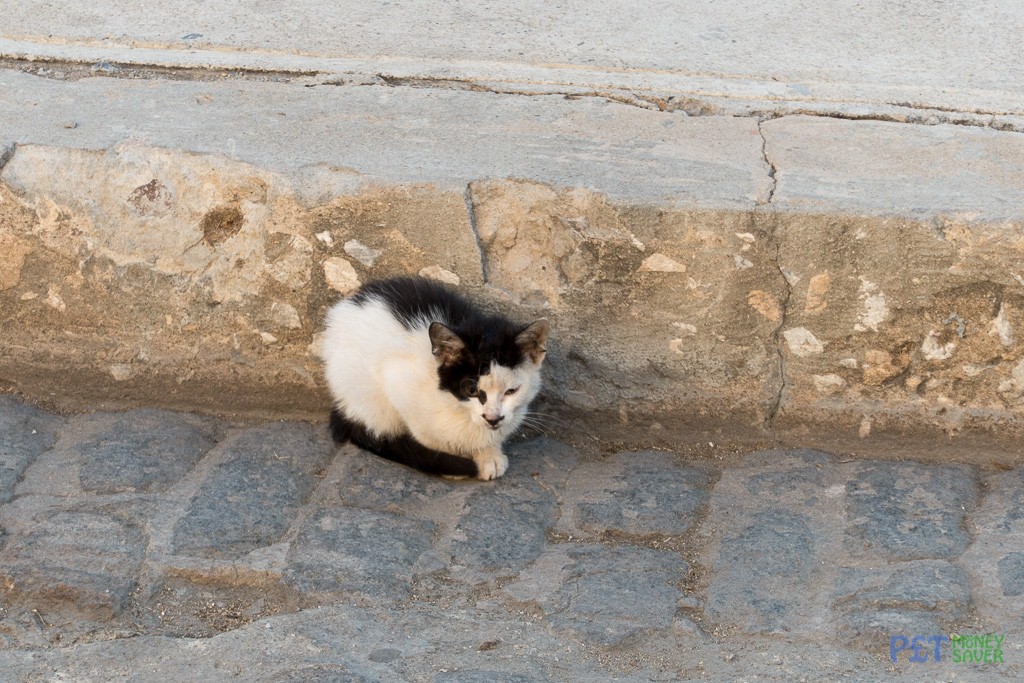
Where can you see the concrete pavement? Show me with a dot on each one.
(913, 60)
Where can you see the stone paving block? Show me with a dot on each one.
(909, 511)
(357, 551)
(762, 570)
(1011, 574)
(251, 496)
(322, 673)
(25, 433)
(485, 677)
(799, 476)
(872, 604)
(87, 561)
(871, 629)
(504, 527)
(637, 494)
(375, 483)
(143, 450)
(995, 561)
(542, 459)
(772, 524)
(605, 595)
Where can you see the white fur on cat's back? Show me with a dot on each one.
(385, 376)
(357, 341)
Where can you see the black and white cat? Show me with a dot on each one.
(420, 376)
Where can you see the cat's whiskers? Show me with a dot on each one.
(545, 418)
(537, 422)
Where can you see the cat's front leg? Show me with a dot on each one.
(491, 463)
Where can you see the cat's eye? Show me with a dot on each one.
(511, 391)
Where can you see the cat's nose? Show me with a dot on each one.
(493, 421)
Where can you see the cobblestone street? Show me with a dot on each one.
(159, 545)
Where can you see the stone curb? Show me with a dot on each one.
(705, 275)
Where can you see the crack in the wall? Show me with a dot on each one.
(772, 170)
(949, 110)
(692, 105)
(686, 103)
(918, 116)
(75, 70)
(776, 401)
(471, 210)
(468, 85)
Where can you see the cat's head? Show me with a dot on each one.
(494, 370)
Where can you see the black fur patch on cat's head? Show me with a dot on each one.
(465, 340)
(467, 353)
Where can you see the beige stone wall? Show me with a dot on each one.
(137, 274)
(891, 319)
(144, 288)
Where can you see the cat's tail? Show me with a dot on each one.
(402, 449)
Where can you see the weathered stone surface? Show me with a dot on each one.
(503, 529)
(137, 210)
(995, 560)
(25, 432)
(922, 313)
(424, 641)
(760, 567)
(143, 450)
(1011, 575)
(788, 521)
(705, 160)
(868, 174)
(873, 604)
(907, 66)
(87, 562)
(374, 483)
(325, 673)
(635, 494)
(773, 522)
(569, 253)
(605, 595)
(251, 496)
(799, 476)
(357, 551)
(541, 460)
(383, 573)
(907, 511)
(485, 677)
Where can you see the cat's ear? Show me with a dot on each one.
(533, 339)
(447, 346)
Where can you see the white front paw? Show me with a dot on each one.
(490, 464)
